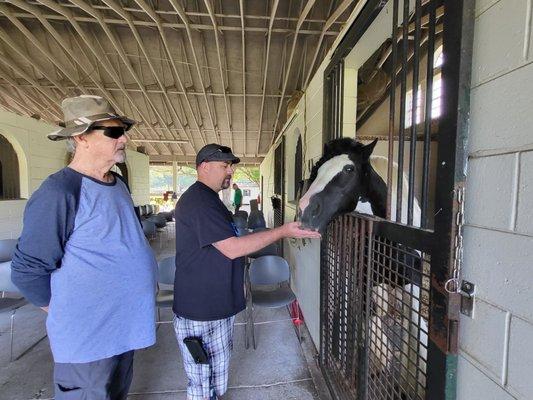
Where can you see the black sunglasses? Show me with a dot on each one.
(113, 132)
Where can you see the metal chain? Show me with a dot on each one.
(453, 285)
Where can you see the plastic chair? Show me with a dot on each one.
(242, 232)
(256, 220)
(270, 250)
(160, 224)
(242, 214)
(149, 228)
(264, 273)
(7, 247)
(166, 270)
(158, 220)
(240, 221)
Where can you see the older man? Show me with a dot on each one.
(209, 284)
(83, 257)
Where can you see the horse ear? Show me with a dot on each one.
(368, 149)
(326, 148)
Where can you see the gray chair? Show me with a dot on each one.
(256, 220)
(242, 214)
(7, 247)
(160, 224)
(166, 270)
(270, 250)
(159, 221)
(242, 232)
(240, 221)
(268, 285)
(149, 228)
(143, 210)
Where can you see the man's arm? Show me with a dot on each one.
(48, 221)
(236, 247)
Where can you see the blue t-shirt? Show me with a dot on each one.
(83, 252)
(208, 285)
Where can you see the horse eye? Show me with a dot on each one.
(349, 168)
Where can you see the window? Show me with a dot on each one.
(439, 58)
(409, 107)
(436, 102)
(246, 192)
(436, 96)
(9, 171)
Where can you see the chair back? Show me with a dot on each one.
(5, 278)
(270, 250)
(158, 220)
(149, 228)
(166, 270)
(166, 215)
(242, 232)
(269, 270)
(243, 214)
(239, 221)
(7, 248)
(256, 220)
(253, 206)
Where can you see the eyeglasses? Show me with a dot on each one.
(113, 132)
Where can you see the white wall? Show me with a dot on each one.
(139, 176)
(39, 157)
(496, 346)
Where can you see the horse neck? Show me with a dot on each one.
(378, 198)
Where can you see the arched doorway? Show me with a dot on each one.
(9, 171)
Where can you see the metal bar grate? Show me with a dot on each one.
(375, 310)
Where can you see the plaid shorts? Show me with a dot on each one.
(217, 338)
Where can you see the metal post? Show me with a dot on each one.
(428, 116)
(412, 153)
(175, 176)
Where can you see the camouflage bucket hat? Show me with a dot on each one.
(81, 112)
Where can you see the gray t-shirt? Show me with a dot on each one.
(83, 252)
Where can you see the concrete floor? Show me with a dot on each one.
(280, 368)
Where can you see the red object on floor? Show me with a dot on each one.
(296, 313)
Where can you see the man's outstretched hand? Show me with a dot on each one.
(294, 230)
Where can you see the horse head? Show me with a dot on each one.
(338, 181)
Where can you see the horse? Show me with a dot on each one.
(347, 178)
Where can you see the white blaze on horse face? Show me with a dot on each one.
(326, 173)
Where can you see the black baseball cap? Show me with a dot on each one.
(216, 152)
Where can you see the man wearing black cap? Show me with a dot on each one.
(209, 283)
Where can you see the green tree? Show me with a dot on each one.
(247, 174)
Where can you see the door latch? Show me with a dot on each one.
(467, 292)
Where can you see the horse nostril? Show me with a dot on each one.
(316, 210)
